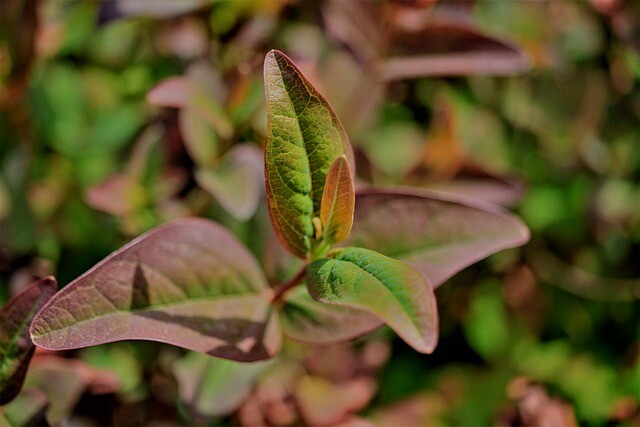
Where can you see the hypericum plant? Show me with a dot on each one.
(369, 258)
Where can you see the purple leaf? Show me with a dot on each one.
(476, 182)
(158, 9)
(170, 92)
(188, 283)
(439, 234)
(446, 47)
(307, 320)
(16, 347)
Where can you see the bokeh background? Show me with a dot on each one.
(118, 115)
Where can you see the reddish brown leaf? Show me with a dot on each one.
(16, 347)
(307, 320)
(189, 283)
(439, 234)
(170, 92)
(322, 402)
(447, 47)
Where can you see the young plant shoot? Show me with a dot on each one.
(368, 259)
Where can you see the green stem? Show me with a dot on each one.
(321, 250)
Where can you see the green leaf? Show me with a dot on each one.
(120, 360)
(64, 381)
(439, 234)
(338, 202)
(392, 290)
(307, 320)
(199, 137)
(204, 124)
(16, 347)
(27, 409)
(112, 130)
(236, 182)
(487, 327)
(188, 283)
(304, 136)
(211, 387)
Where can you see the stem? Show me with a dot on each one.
(280, 289)
(321, 250)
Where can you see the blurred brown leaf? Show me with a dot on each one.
(450, 48)
(537, 408)
(323, 403)
(419, 410)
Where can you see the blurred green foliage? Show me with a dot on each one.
(562, 312)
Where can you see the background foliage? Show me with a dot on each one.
(90, 159)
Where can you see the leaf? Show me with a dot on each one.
(200, 138)
(170, 92)
(455, 48)
(118, 195)
(475, 182)
(204, 104)
(357, 25)
(120, 9)
(486, 327)
(306, 320)
(16, 347)
(236, 182)
(392, 290)
(27, 409)
(338, 202)
(64, 380)
(271, 403)
(437, 233)
(111, 130)
(398, 158)
(188, 283)
(61, 384)
(204, 124)
(210, 387)
(423, 409)
(324, 403)
(120, 360)
(304, 136)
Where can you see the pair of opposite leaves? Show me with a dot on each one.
(312, 199)
(191, 283)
